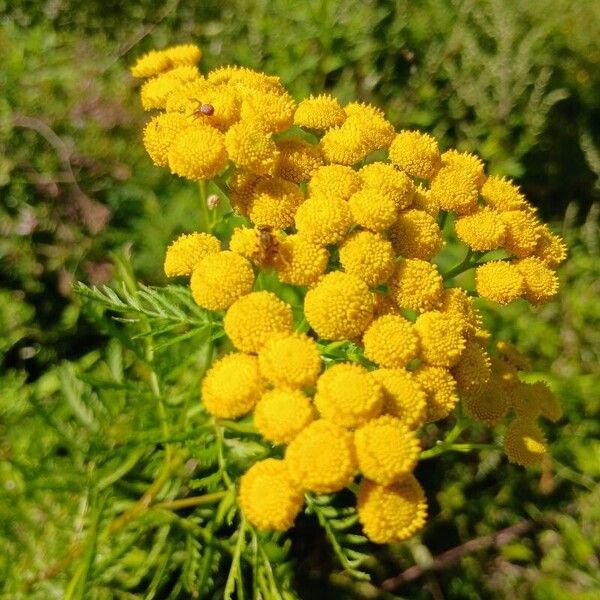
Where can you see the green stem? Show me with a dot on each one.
(205, 217)
(443, 447)
(191, 501)
(463, 266)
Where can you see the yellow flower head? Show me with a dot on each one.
(550, 247)
(158, 61)
(391, 513)
(252, 148)
(245, 80)
(530, 400)
(386, 449)
(489, 405)
(499, 281)
(422, 200)
(511, 354)
(403, 397)
(440, 389)
(160, 133)
(323, 221)
(219, 279)
(155, 91)
(540, 282)
(267, 497)
(334, 182)
(503, 195)
(376, 131)
(456, 301)
(467, 162)
(253, 319)
(232, 386)
(441, 338)
(186, 252)
(455, 189)
(321, 458)
(369, 256)
(416, 234)
(522, 232)
(300, 261)
(269, 111)
(245, 241)
(384, 305)
(348, 395)
(345, 145)
(417, 285)
(339, 307)
(298, 159)
(391, 341)
(473, 369)
(372, 210)
(319, 112)
(241, 190)
(274, 203)
(389, 181)
(282, 414)
(416, 153)
(290, 361)
(524, 443)
(197, 152)
(482, 231)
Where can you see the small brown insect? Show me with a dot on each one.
(204, 110)
(269, 246)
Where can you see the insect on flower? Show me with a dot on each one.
(269, 246)
(203, 109)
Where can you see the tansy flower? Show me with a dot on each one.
(362, 108)
(252, 148)
(245, 80)
(550, 247)
(319, 112)
(323, 221)
(503, 195)
(184, 254)
(441, 338)
(391, 341)
(376, 131)
(467, 162)
(290, 361)
(522, 232)
(269, 111)
(245, 241)
(499, 281)
(281, 415)
(183, 54)
(339, 307)
(422, 200)
(511, 354)
(524, 443)
(457, 302)
(369, 256)
(274, 203)
(220, 279)
(160, 133)
(416, 234)
(241, 190)
(417, 285)
(440, 390)
(345, 145)
(321, 458)
(267, 498)
(386, 449)
(416, 153)
(300, 261)
(540, 282)
(348, 395)
(482, 231)
(158, 61)
(489, 405)
(391, 513)
(197, 153)
(530, 400)
(298, 159)
(473, 369)
(403, 397)
(388, 181)
(332, 182)
(232, 386)
(384, 305)
(455, 189)
(155, 91)
(372, 210)
(253, 319)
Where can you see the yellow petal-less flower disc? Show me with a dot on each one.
(417, 285)
(403, 396)
(274, 203)
(482, 231)
(232, 386)
(369, 256)
(457, 302)
(246, 242)
(186, 252)
(391, 513)
(333, 182)
(384, 305)
(503, 195)
(345, 145)
(323, 221)
(321, 458)
(467, 162)
(184, 54)
(440, 389)
(372, 210)
(253, 319)
(290, 361)
(160, 133)
(348, 395)
(245, 80)
(441, 338)
(241, 190)
(473, 369)
(499, 281)
(197, 153)
(540, 282)
(386, 449)
(416, 234)
(268, 499)
(150, 64)
(269, 111)
(455, 189)
(422, 200)
(530, 400)
(300, 261)
(416, 153)
(390, 341)
(298, 159)
(524, 443)
(522, 232)
(251, 148)
(489, 405)
(319, 112)
(389, 181)
(339, 307)
(376, 131)
(155, 91)
(550, 248)
(281, 415)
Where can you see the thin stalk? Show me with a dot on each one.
(191, 501)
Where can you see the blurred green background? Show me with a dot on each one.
(516, 82)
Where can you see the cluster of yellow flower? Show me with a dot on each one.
(340, 203)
